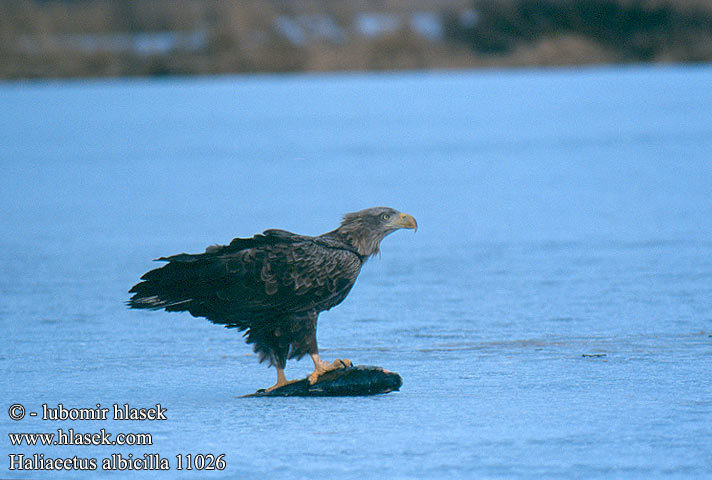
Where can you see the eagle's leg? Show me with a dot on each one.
(321, 367)
(278, 349)
(281, 380)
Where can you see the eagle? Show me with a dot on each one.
(272, 286)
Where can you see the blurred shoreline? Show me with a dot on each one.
(103, 38)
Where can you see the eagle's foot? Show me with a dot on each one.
(321, 367)
(281, 380)
(280, 384)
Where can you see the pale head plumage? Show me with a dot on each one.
(365, 229)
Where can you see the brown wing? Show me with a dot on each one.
(275, 273)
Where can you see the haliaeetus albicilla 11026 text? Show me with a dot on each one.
(272, 285)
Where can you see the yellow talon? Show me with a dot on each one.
(321, 367)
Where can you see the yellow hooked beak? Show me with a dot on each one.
(405, 221)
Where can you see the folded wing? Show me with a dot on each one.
(271, 274)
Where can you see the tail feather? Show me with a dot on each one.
(155, 302)
(174, 286)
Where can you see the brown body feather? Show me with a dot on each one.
(274, 285)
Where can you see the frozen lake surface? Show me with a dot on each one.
(551, 318)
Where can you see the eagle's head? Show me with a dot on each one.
(365, 229)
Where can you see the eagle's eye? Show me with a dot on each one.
(386, 216)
